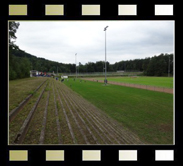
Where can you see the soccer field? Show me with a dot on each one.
(166, 82)
(149, 114)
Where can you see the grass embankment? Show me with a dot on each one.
(51, 136)
(33, 134)
(21, 88)
(16, 124)
(149, 114)
(166, 82)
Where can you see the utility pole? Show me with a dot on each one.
(105, 55)
(169, 68)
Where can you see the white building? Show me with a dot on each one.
(34, 73)
(64, 77)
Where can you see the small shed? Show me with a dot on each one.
(64, 77)
(34, 73)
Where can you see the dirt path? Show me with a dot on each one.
(147, 87)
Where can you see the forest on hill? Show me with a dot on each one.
(21, 62)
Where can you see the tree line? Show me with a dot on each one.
(20, 63)
(18, 67)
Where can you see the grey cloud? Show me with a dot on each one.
(59, 41)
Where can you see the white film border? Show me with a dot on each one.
(91, 155)
(91, 10)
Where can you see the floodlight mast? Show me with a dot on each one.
(105, 55)
(76, 64)
(169, 67)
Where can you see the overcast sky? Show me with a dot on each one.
(61, 40)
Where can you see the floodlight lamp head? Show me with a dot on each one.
(106, 28)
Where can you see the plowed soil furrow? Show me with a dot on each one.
(16, 124)
(57, 118)
(100, 126)
(67, 119)
(76, 121)
(15, 111)
(67, 95)
(91, 137)
(92, 121)
(94, 127)
(42, 135)
(27, 122)
(123, 135)
(51, 136)
(34, 130)
(65, 130)
(102, 130)
(116, 129)
(85, 129)
(118, 134)
(22, 88)
(55, 114)
(97, 121)
(105, 122)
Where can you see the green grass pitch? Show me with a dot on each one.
(147, 113)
